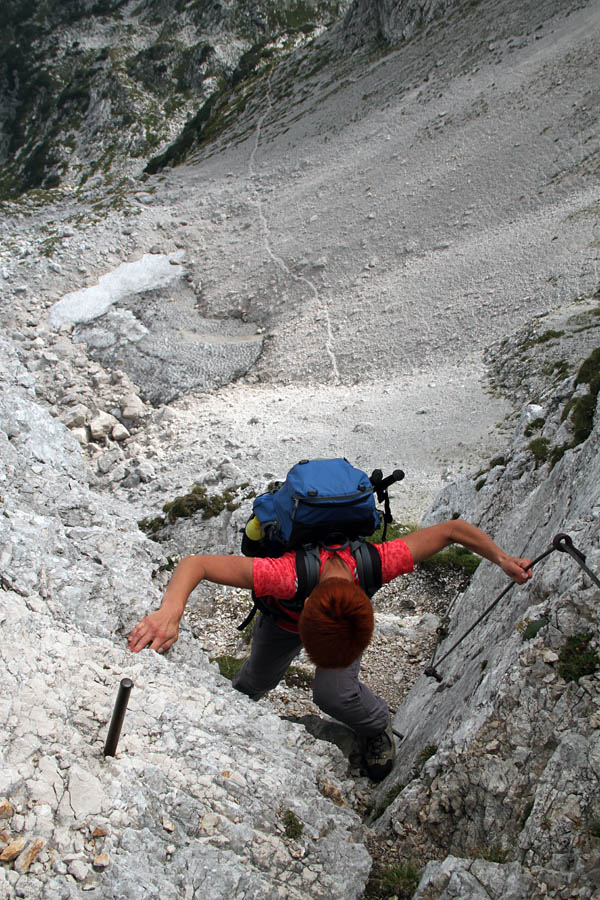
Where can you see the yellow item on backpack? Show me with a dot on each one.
(254, 530)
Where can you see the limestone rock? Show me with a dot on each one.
(29, 855)
(119, 433)
(133, 408)
(76, 416)
(12, 850)
(102, 425)
(192, 748)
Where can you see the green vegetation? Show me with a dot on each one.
(287, 26)
(48, 99)
(292, 825)
(534, 426)
(581, 410)
(531, 628)
(221, 108)
(558, 453)
(540, 447)
(394, 530)
(526, 812)
(594, 828)
(167, 566)
(582, 414)
(577, 658)
(229, 666)
(299, 15)
(388, 800)
(48, 94)
(399, 881)
(425, 754)
(455, 558)
(198, 500)
(493, 853)
(558, 369)
(550, 335)
(481, 481)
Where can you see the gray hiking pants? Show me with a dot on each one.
(338, 692)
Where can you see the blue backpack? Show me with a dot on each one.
(322, 502)
(319, 499)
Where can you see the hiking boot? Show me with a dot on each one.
(379, 753)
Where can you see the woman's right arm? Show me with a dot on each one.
(160, 629)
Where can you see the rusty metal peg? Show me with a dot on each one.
(116, 723)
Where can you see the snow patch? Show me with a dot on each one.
(152, 271)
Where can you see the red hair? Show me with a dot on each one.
(336, 623)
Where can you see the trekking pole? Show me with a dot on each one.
(380, 488)
(380, 484)
(116, 723)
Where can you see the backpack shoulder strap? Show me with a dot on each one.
(251, 614)
(368, 566)
(308, 568)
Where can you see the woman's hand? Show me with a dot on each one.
(428, 541)
(516, 568)
(158, 631)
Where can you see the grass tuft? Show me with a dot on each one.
(399, 881)
(229, 666)
(531, 628)
(540, 447)
(493, 853)
(292, 825)
(577, 658)
(425, 754)
(455, 558)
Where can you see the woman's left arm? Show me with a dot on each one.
(428, 541)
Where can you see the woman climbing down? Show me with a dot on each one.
(334, 625)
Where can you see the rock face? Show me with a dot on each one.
(390, 20)
(501, 759)
(201, 797)
(88, 84)
(210, 794)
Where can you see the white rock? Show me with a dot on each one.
(75, 416)
(120, 433)
(106, 462)
(102, 425)
(78, 869)
(133, 408)
(81, 435)
(86, 794)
